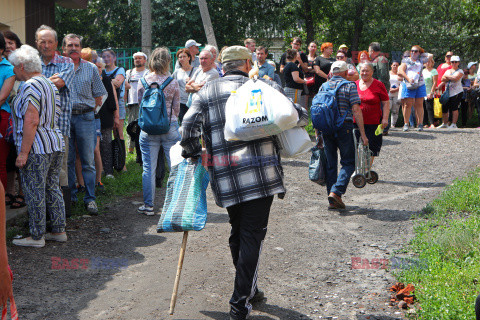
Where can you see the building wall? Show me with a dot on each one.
(12, 17)
(38, 12)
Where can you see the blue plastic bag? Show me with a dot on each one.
(318, 166)
(185, 206)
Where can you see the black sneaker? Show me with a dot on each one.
(258, 297)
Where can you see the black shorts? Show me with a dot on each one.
(374, 142)
(452, 103)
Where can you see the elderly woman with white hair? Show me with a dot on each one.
(40, 147)
(159, 73)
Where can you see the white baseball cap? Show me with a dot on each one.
(192, 42)
(455, 58)
(339, 66)
(140, 54)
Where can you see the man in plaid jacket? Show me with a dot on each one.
(245, 175)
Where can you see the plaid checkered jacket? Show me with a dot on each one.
(239, 171)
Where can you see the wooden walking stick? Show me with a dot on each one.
(179, 271)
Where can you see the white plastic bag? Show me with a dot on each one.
(294, 141)
(256, 110)
(176, 154)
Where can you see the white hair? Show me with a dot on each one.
(100, 62)
(209, 52)
(28, 56)
(367, 64)
(209, 47)
(45, 27)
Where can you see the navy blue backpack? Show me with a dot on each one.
(324, 110)
(152, 117)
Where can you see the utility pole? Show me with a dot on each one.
(207, 23)
(146, 10)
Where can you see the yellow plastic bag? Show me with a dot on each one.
(437, 108)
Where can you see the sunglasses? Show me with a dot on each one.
(340, 57)
(448, 56)
(455, 61)
(413, 50)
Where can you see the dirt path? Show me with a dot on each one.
(306, 269)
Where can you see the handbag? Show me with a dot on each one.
(445, 95)
(185, 206)
(437, 108)
(318, 164)
(310, 81)
(118, 153)
(294, 141)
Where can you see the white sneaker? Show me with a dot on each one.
(452, 126)
(29, 242)
(56, 237)
(405, 127)
(109, 176)
(92, 208)
(443, 125)
(146, 210)
(420, 127)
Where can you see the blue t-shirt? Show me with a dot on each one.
(122, 72)
(6, 71)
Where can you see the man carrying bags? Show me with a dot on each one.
(246, 190)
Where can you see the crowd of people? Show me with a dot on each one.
(59, 113)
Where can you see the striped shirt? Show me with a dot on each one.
(86, 86)
(64, 67)
(43, 95)
(347, 96)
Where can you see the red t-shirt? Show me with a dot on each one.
(371, 101)
(441, 71)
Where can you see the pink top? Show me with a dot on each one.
(171, 92)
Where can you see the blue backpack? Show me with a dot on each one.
(324, 110)
(152, 117)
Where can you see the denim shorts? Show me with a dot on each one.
(121, 109)
(420, 92)
(98, 128)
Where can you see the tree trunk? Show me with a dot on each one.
(309, 26)
(358, 25)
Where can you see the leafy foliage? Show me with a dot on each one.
(397, 25)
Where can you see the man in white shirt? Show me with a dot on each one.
(133, 77)
(205, 73)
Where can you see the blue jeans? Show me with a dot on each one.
(150, 145)
(337, 182)
(83, 138)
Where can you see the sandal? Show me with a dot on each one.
(17, 204)
(10, 200)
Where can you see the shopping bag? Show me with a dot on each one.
(118, 153)
(185, 206)
(318, 165)
(294, 141)
(256, 110)
(437, 108)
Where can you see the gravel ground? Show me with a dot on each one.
(306, 265)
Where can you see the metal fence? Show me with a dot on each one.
(125, 56)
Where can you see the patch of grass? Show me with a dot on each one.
(447, 239)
